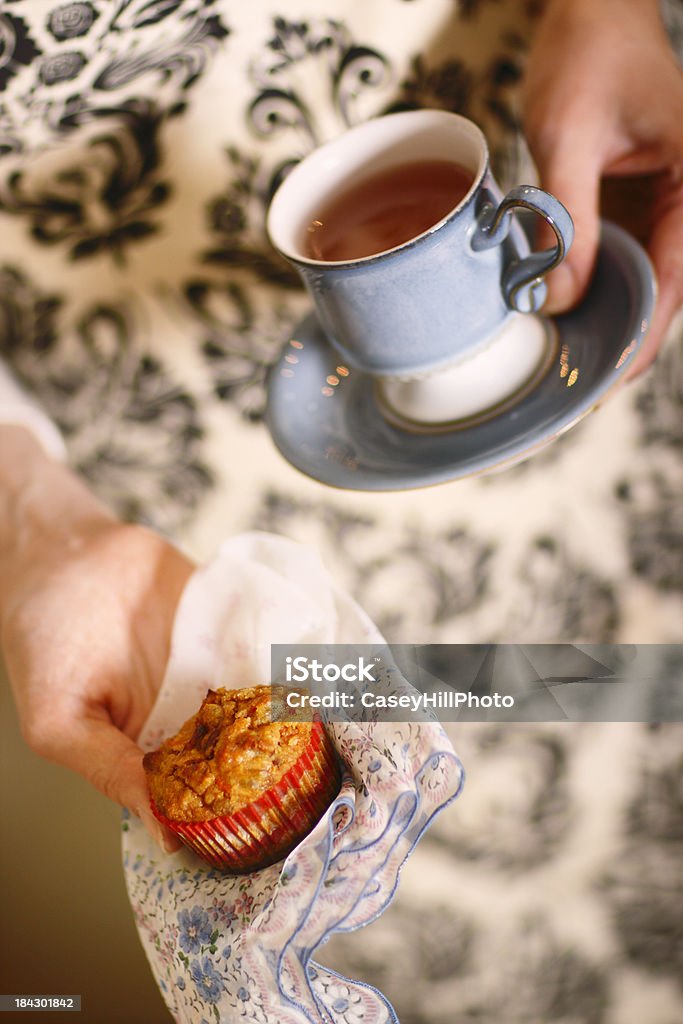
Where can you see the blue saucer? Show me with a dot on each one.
(326, 421)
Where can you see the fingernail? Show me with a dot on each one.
(169, 844)
(163, 838)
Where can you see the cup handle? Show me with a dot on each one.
(522, 282)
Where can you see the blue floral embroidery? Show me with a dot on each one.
(195, 929)
(208, 981)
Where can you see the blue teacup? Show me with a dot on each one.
(440, 297)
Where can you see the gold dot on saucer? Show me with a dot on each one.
(626, 353)
(289, 358)
(573, 377)
(327, 391)
(332, 380)
(286, 372)
(343, 371)
(564, 361)
(296, 344)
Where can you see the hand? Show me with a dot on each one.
(603, 97)
(86, 614)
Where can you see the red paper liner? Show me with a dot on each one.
(267, 829)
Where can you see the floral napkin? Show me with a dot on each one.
(238, 948)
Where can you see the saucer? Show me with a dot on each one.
(326, 421)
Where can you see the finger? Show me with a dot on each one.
(570, 169)
(112, 762)
(666, 252)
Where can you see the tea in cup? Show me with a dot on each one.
(384, 210)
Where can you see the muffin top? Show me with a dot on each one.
(225, 756)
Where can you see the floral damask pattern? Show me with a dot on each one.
(536, 766)
(104, 203)
(409, 576)
(236, 220)
(28, 318)
(142, 475)
(238, 342)
(17, 48)
(101, 56)
(562, 598)
(348, 68)
(660, 400)
(653, 512)
(643, 885)
(72, 20)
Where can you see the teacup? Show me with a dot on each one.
(438, 298)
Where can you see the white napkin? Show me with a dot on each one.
(237, 948)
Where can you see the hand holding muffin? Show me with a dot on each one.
(86, 610)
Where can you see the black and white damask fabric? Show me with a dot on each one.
(140, 143)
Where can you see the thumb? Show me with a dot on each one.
(113, 764)
(571, 172)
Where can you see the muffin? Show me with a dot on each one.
(239, 788)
